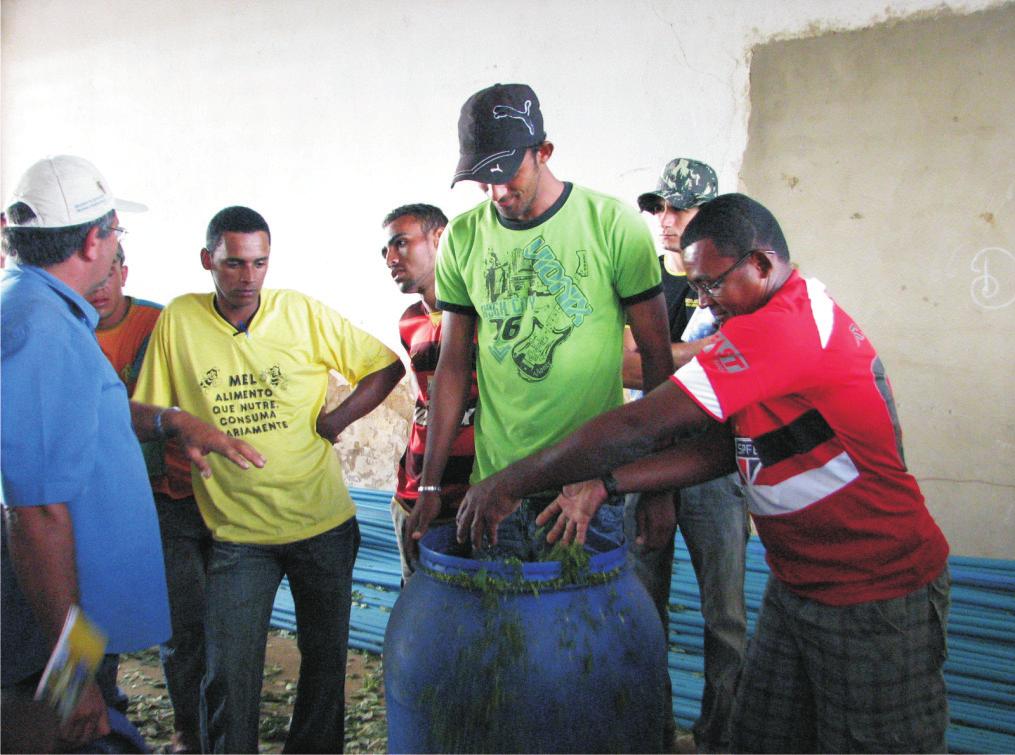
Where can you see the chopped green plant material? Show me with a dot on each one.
(484, 675)
(574, 562)
(150, 710)
(574, 570)
(480, 720)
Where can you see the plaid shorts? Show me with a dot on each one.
(860, 678)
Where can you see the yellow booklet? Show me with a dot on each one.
(73, 664)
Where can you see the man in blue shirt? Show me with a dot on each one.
(79, 525)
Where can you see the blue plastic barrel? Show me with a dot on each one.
(498, 657)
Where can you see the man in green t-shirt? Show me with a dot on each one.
(544, 274)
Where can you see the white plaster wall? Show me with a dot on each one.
(325, 114)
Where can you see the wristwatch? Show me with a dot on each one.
(610, 483)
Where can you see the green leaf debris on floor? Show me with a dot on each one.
(365, 722)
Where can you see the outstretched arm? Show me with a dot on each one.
(197, 437)
(612, 439)
(364, 398)
(688, 461)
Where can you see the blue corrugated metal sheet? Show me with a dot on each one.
(980, 671)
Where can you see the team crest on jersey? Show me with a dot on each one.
(858, 336)
(747, 460)
(727, 356)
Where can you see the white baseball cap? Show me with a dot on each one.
(66, 190)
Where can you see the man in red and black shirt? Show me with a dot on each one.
(410, 250)
(850, 642)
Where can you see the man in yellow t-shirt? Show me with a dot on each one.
(255, 363)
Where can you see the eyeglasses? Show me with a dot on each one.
(712, 288)
(118, 231)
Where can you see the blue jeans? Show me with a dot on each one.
(712, 518)
(242, 581)
(186, 547)
(519, 537)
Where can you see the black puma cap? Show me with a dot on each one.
(495, 127)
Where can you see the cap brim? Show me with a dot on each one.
(127, 206)
(649, 201)
(497, 168)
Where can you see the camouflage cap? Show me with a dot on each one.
(684, 183)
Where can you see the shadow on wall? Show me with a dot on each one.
(370, 448)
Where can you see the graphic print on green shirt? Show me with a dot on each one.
(549, 298)
(534, 304)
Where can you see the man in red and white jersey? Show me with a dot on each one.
(411, 233)
(850, 642)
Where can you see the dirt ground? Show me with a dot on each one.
(365, 721)
(365, 724)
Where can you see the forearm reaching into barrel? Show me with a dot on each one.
(609, 441)
(448, 397)
(688, 461)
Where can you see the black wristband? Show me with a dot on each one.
(610, 483)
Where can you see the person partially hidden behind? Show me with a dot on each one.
(712, 516)
(412, 233)
(125, 325)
